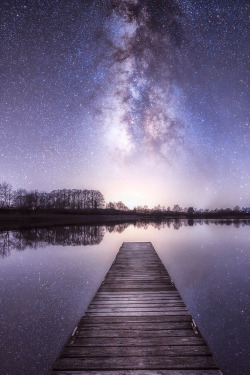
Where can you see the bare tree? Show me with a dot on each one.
(19, 198)
(6, 194)
(177, 208)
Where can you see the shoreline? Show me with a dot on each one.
(27, 220)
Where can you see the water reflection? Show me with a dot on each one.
(79, 235)
(60, 235)
(44, 293)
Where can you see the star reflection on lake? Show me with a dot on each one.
(49, 275)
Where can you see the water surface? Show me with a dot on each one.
(48, 277)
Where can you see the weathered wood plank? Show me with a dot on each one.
(134, 333)
(189, 362)
(93, 309)
(127, 351)
(138, 300)
(147, 302)
(136, 324)
(138, 341)
(136, 319)
(142, 294)
(136, 289)
(139, 372)
(138, 313)
(136, 304)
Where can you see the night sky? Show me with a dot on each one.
(145, 100)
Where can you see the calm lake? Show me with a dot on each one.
(49, 276)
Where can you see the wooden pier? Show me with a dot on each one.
(136, 324)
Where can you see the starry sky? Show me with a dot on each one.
(145, 100)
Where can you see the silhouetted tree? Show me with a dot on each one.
(110, 206)
(157, 208)
(236, 209)
(6, 194)
(19, 198)
(177, 208)
(117, 206)
(121, 206)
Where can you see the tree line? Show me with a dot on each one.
(64, 198)
(78, 199)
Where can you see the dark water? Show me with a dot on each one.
(48, 277)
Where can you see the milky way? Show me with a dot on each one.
(143, 100)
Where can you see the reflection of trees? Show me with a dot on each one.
(5, 244)
(161, 224)
(119, 228)
(79, 235)
(10, 241)
(65, 236)
(40, 237)
(144, 224)
(176, 223)
(235, 222)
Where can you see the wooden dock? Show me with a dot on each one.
(136, 324)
